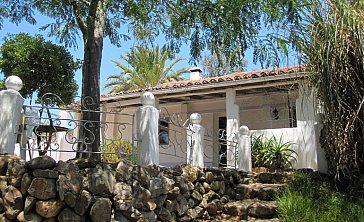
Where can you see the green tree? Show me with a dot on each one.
(145, 67)
(43, 66)
(215, 65)
(331, 40)
(220, 26)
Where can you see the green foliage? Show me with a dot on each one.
(2, 85)
(218, 65)
(331, 40)
(117, 149)
(306, 199)
(44, 67)
(145, 67)
(272, 153)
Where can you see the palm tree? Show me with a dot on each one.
(146, 67)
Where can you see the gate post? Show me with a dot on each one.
(244, 150)
(147, 131)
(11, 103)
(195, 134)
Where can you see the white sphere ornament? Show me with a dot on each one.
(195, 118)
(147, 99)
(244, 130)
(13, 82)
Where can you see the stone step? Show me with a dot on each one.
(251, 208)
(270, 177)
(258, 190)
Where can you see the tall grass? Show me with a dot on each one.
(316, 201)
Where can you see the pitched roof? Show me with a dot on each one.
(218, 80)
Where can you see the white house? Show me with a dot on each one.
(271, 102)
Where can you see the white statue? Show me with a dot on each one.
(147, 131)
(244, 150)
(195, 136)
(11, 103)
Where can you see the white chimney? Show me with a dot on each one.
(195, 73)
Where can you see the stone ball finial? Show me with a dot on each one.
(244, 130)
(147, 99)
(13, 82)
(195, 118)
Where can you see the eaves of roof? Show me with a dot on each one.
(241, 78)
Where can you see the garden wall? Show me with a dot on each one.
(82, 190)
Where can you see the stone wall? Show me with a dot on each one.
(81, 190)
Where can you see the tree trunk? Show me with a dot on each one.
(90, 123)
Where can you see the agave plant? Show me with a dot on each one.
(272, 153)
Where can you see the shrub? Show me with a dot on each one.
(272, 153)
(115, 150)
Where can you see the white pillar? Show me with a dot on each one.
(232, 126)
(308, 138)
(244, 150)
(147, 131)
(11, 103)
(195, 134)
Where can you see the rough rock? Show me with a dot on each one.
(13, 202)
(43, 188)
(71, 181)
(182, 207)
(237, 208)
(25, 183)
(49, 208)
(211, 208)
(68, 215)
(46, 173)
(150, 216)
(141, 175)
(218, 187)
(100, 181)
(122, 196)
(4, 159)
(263, 209)
(42, 162)
(164, 214)
(258, 190)
(29, 203)
(30, 217)
(16, 169)
(101, 210)
(70, 199)
(83, 203)
(124, 171)
(161, 185)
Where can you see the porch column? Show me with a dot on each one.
(309, 153)
(232, 126)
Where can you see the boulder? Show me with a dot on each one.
(42, 162)
(46, 173)
(83, 203)
(101, 210)
(25, 183)
(16, 169)
(122, 196)
(29, 203)
(29, 217)
(100, 181)
(68, 215)
(49, 208)
(42, 188)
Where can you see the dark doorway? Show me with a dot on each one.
(222, 142)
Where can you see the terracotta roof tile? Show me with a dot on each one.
(219, 79)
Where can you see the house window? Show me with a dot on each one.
(292, 116)
(163, 131)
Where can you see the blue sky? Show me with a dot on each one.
(110, 52)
